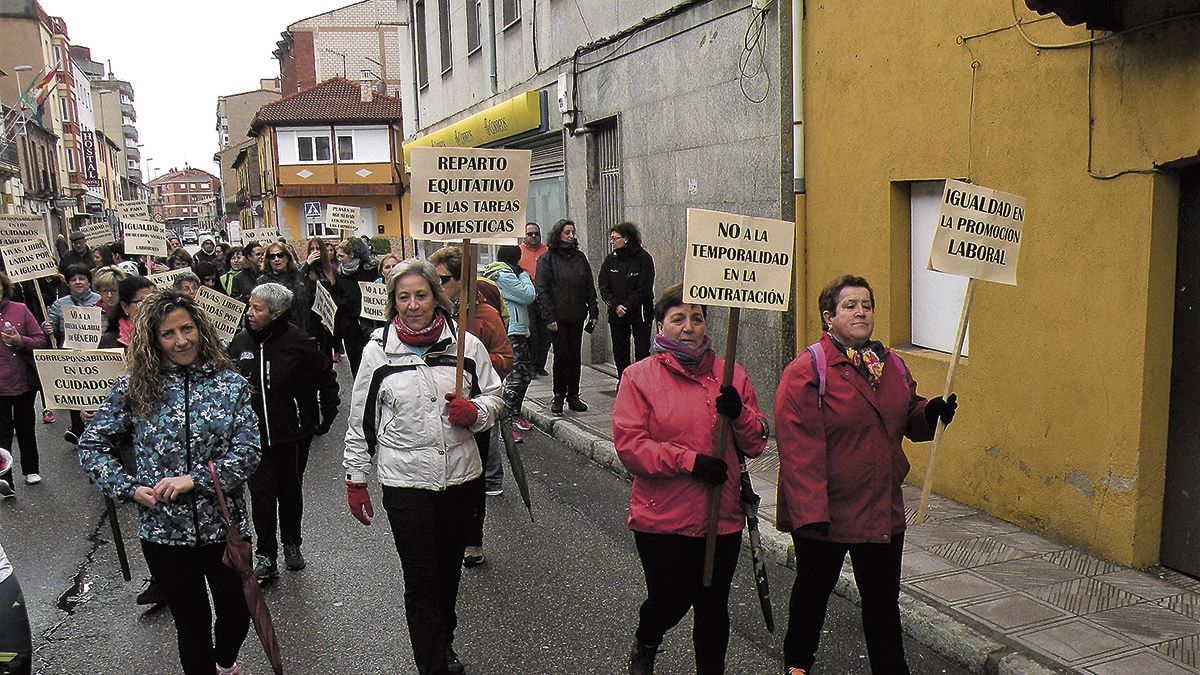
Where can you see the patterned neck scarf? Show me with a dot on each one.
(866, 359)
(688, 357)
(424, 337)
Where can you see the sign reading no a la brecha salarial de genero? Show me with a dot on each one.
(737, 261)
(468, 193)
(978, 233)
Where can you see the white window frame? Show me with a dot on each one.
(338, 136)
(510, 21)
(422, 45)
(936, 297)
(474, 27)
(445, 41)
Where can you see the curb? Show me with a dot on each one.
(963, 644)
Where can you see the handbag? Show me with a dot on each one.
(238, 557)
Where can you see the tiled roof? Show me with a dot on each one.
(332, 101)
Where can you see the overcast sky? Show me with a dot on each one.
(179, 56)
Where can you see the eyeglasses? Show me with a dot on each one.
(535, 235)
(275, 256)
(446, 278)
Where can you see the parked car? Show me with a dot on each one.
(190, 236)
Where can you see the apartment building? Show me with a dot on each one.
(344, 42)
(185, 197)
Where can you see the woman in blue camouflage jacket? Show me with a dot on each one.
(181, 405)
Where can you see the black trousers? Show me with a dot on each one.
(183, 572)
(354, 340)
(17, 416)
(430, 529)
(877, 574)
(14, 629)
(568, 341)
(539, 337)
(483, 440)
(277, 485)
(621, 332)
(674, 569)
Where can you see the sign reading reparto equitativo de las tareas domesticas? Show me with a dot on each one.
(468, 193)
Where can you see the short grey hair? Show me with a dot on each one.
(277, 296)
(186, 276)
(424, 269)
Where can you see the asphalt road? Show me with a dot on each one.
(556, 595)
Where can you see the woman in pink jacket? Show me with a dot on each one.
(666, 408)
(841, 472)
(20, 334)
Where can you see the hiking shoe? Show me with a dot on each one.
(153, 594)
(6, 460)
(47, 416)
(796, 671)
(473, 556)
(517, 437)
(293, 559)
(337, 357)
(556, 407)
(494, 492)
(641, 659)
(265, 568)
(577, 404)
(235, 669)
(32, 479)
(453, 665)
(6, 490)
(520, 422)
(70, 437)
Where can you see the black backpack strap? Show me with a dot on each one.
(452, 362)
(370, 433)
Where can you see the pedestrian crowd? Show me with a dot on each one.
(196, 419)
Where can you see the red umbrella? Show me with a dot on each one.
(238, 557)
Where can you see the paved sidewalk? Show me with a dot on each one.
(979, 590)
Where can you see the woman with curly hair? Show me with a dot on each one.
(181, 407)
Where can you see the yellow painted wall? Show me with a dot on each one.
(1062, 426)
(291, 213)
(379, 173)
(306, 174)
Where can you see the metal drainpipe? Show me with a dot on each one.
(492, 66)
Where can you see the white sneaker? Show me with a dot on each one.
(33, 479)
(6, 490)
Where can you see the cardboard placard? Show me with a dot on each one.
(98, 234)
(324, 306)
(133, 210)
(738, 261)
(374, 300)
(15, 228)
(77, 380)
(81, 327)
(145, 237)
(267, 234)
(978, 233)
(27, 260)
(468, 193)
(167, 279)
(224, 312)
(340, 217)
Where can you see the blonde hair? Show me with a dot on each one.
(425, 270)
(146, 360)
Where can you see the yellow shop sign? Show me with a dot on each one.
(515, 116)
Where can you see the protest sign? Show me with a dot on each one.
(268, 234)
(468, 193)
(167, 279)
(77, 380)
(324, 306)
(81, 327)
(145, 237)
(737, 261)
(374, 300)
(133, 210)
(98, 234)
(28, 260)
(15, 228)
(224, 312)
(978, 233)
(340, 217)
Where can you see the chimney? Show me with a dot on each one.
(366, 84)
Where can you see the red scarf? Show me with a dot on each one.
(420, 338)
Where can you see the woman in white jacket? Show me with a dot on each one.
(405, 416)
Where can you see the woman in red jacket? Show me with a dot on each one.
(666, 407)
(841, 472)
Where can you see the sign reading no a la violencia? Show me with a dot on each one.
(737, 261)
(978, 233)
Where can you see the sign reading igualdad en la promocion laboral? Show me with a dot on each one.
(978, 233)
(737, 261)
(468, 193)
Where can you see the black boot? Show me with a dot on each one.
(556, 408)
(641, 659)
(575, 403)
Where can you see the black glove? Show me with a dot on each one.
(814, 530)
(936, 408)
(323, 427)
(729, 402)
(590, 326)
(711, 470)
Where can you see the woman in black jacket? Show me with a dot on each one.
(295, 393)
(567, 296)
(355, 263)
(281, 268)
(627, 287)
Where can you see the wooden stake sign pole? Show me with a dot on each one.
(963, 319)
(463, 309)
(45, 312)
(720, 438)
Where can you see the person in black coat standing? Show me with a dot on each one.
(567, 297)
(295, 393)
(627, 287)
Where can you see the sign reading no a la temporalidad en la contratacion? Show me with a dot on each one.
(468, 193)
(737, 261)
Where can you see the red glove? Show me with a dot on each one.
(360, 502)
(462, 412)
